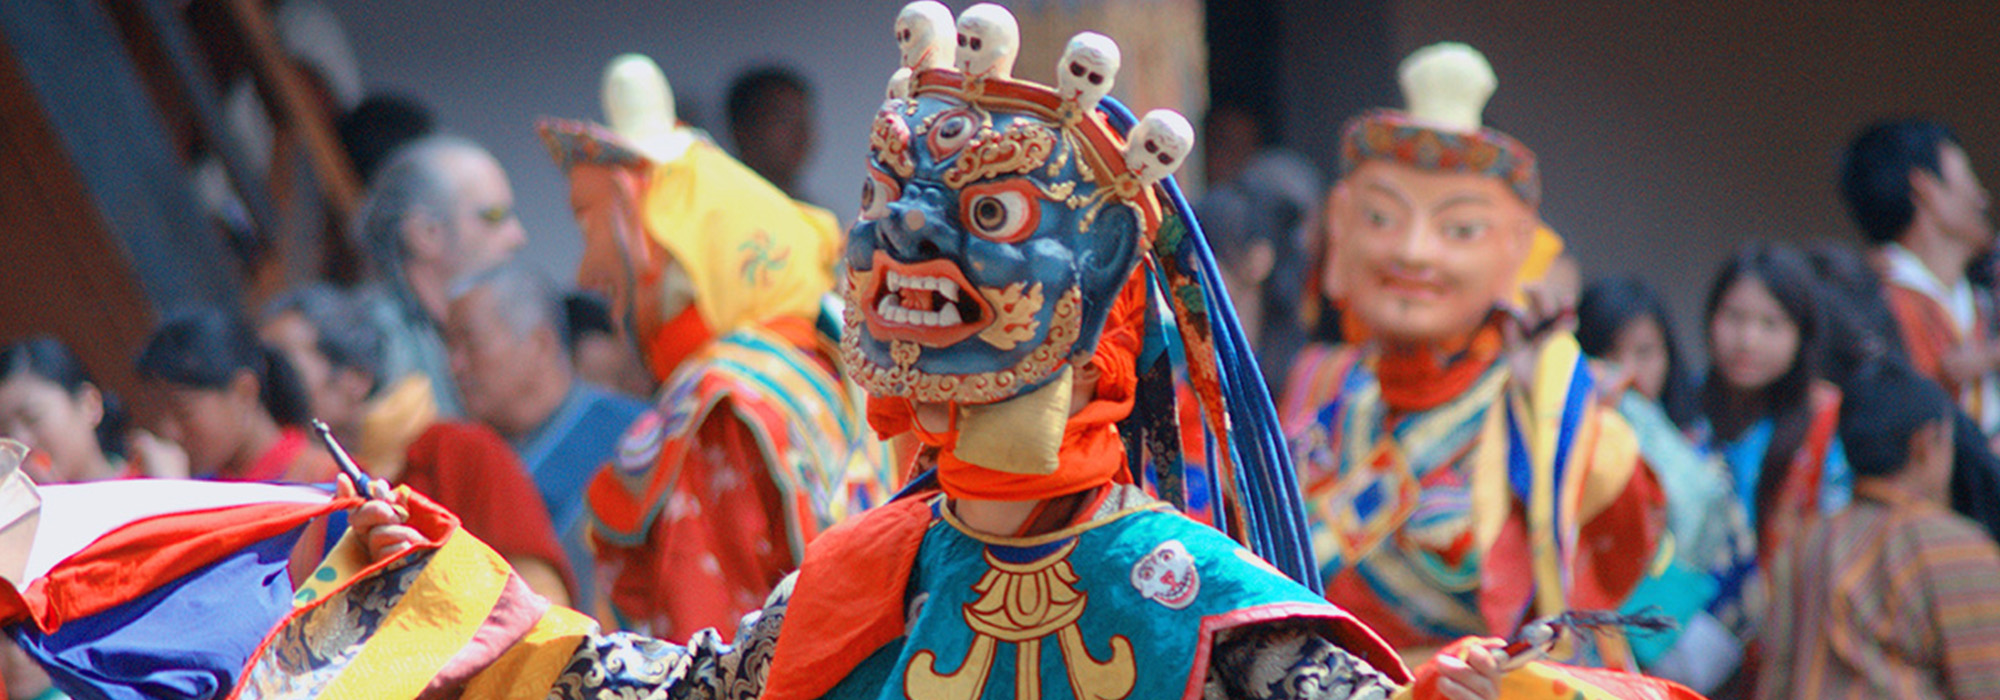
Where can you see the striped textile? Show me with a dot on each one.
(1894, 597)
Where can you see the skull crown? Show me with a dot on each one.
(1001, 218)
(981, 44)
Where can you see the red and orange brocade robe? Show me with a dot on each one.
(754, 448)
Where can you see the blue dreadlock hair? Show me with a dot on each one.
(1256, 489)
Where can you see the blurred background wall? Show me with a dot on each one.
(1669, 132)
(488, 69)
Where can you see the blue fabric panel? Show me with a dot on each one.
(188, 639)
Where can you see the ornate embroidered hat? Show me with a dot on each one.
(573, 142)
(1447, 86)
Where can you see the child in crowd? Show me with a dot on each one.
(601, 354)
(233, 403)
(1622, 321)
(1894, 596)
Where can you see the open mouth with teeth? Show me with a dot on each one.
(929, 303)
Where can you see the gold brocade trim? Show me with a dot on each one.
(1023, 147)
(1013, 314)
(985, 387)
(1025, 604)
(1022, 435)
(890, 142)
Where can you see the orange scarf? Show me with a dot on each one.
(1423, 377)
(1092, 454)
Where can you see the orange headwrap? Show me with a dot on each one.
(1092, 453)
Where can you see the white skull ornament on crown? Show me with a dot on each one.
(1088, 66)
(1158, 145)
(988, 38)
(925, 34)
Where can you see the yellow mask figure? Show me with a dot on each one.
(699, 232)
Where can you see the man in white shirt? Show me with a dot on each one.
(1911, 188)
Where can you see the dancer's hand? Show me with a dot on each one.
(380, 519)
(1476, 677)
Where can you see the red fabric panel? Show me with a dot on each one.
(848, 599)
(471, 471)
(1927, 331)
(1507, 576)
(147, 554)
(514, 615)
(718, 545)
(1606, 570)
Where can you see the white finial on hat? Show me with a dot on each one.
(1087, 68)
(1158, 145)
(988, 38)
(639, 107)
(1447, 85)
(925, 35)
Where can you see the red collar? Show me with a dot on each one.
(1420, 379)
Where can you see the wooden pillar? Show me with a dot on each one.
(61, 270)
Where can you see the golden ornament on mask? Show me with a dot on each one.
(891, 144)
(924, 126)
(1060, 192)
(1024, 146)
(1065, 325)
(904, 353)
(1062, 156)
(1014, 314)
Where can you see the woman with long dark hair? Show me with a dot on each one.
(1764, 405)
(234, 404)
